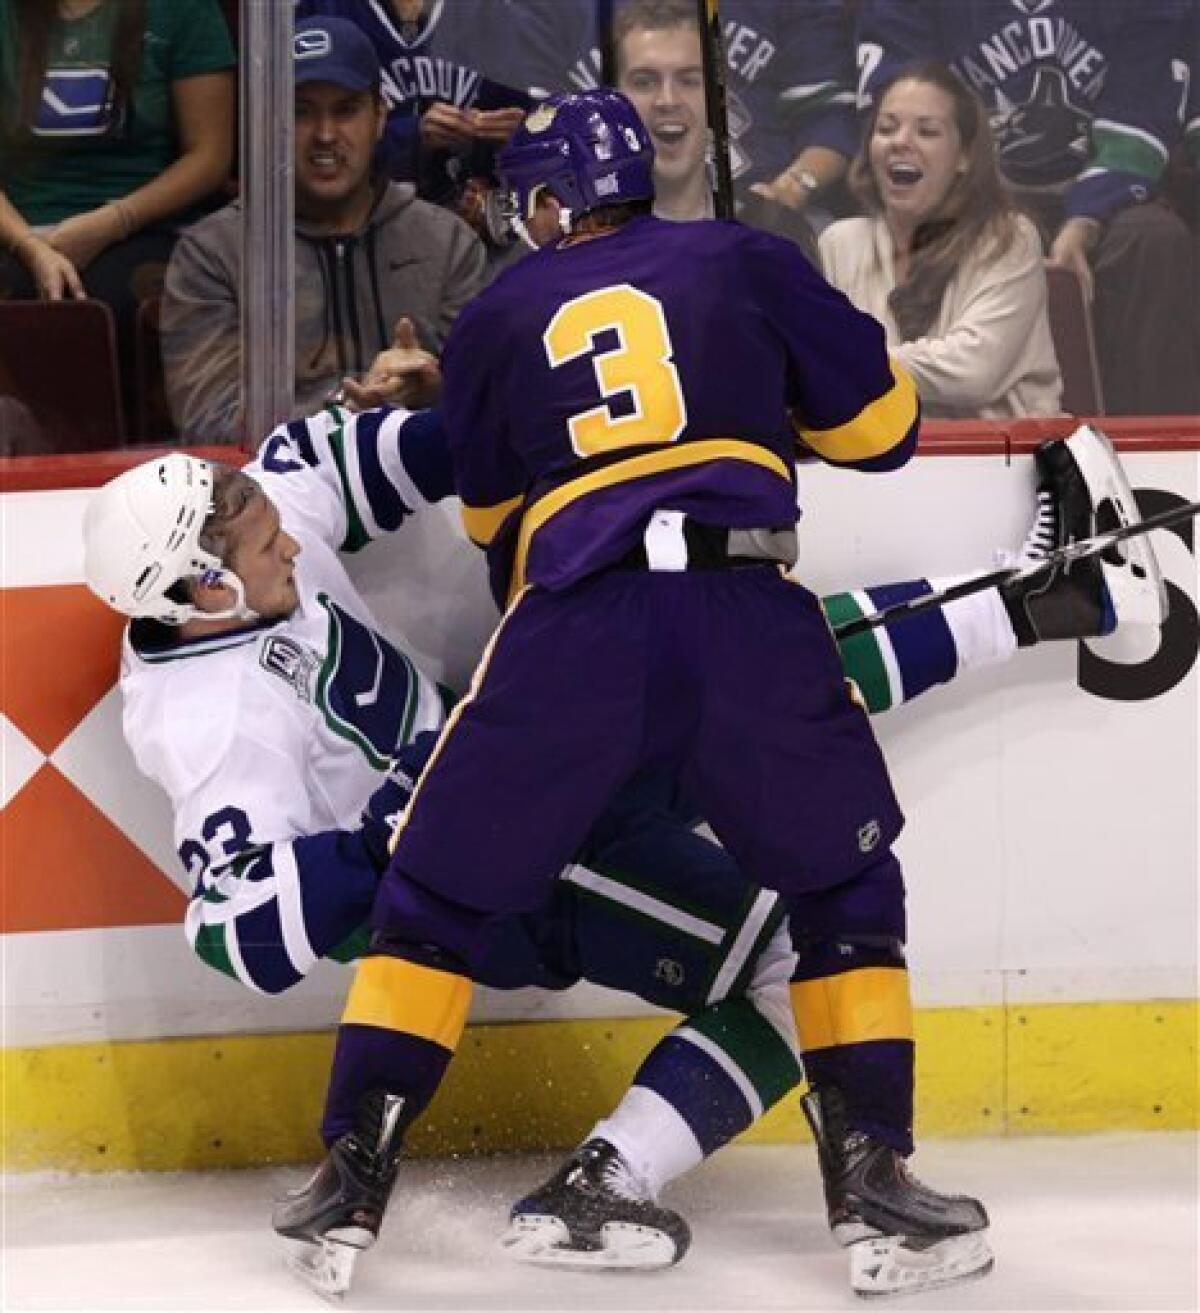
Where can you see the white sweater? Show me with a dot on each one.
(988, 354)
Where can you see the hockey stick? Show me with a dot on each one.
(606, 43)
(1076, 551)
(713, 48)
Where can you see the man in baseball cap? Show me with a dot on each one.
(377, 268)
(340, 116)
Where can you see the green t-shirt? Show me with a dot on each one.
(73, 163)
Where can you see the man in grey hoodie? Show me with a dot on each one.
(368, 253)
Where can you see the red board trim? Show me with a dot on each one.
(939, 437)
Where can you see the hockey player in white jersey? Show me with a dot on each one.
(286, 729)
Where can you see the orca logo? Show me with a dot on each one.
(1046, 136)
(313, 44)
(1180, 639)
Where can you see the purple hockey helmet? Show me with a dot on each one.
(587, 150)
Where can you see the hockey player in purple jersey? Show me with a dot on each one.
(622, 410)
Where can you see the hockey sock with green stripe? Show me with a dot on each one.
(702, 1085)
(898, 662)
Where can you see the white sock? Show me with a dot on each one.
(983, 634)
(653, 1139)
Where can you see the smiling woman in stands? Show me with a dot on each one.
(943, 259)
(119, 122)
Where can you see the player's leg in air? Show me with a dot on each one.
(1082, 490)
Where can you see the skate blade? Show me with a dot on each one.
(545, 1242)
(887, 1266)
(1135, 585)
(324, 1266)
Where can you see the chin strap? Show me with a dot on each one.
(216, 576)
(239, 610)
(518, 225)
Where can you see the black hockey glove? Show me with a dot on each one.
(385, 805)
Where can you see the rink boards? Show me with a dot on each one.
(1051, 854)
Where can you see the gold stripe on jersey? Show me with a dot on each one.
(871, 1003)
(482, 523)
(627, 471)
(393, 994)
(876, 429)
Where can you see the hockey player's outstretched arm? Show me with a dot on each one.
(351, 478)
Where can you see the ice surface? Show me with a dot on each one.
(1097, 1222)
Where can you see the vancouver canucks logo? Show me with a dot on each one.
(1045, 139)
(314, 44)
(76, 102)
(541, 118)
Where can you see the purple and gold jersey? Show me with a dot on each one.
(659, 366)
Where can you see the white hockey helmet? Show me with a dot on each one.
(141, 535)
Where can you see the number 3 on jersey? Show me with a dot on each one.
(640, 367)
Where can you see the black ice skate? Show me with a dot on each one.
(338, 1213)
(1082, 490)
(901, 1235)
(590, 1214)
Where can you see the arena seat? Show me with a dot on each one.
(60, 362)
(1074, 343)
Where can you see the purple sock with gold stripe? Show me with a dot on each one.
(367, 1058)
(853, 1012)
(402, 1023)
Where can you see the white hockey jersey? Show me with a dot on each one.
(269, 739)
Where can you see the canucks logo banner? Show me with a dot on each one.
(76, 102)
(1044, 137)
